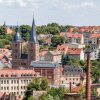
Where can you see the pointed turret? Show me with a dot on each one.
(33, 36)
(17, 37)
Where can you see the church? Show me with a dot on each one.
(25, 52)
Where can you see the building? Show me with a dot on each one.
(73, 75)
(97, 87)
(53, 56)
(76, 53)
(4, 62)
(52, 71)
(16, 81)
(95, 38)
(95, 52)
(62, 48)
(75, 37)
(46, 38)
(25, 52)
(86, 37)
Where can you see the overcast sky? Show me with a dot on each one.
(70, 12)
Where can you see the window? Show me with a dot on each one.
(15, 81)
(2, 75)
(7, 88)
(1, 88)
(1, 81)
(12, 81)
(21, 81)
(4, 88)
(6, 75)
(7, 81)
(4, 81)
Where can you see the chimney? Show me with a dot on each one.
(88, 78)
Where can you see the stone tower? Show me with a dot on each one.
(33, 45)
(16, 50)
(19, 57)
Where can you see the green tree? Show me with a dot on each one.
(65, 59)
(56, 39)
(25, 31)
(2, 30)
(44, 84)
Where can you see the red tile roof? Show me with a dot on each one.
(74, 51)
(95, 35)
(17, 72)
(75, 35)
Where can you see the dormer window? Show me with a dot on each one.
(2, 75)
(6, 75)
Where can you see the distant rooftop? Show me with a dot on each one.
(44, 64)
(73, 69)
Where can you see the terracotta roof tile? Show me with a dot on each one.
(95, 35)
(74, 51)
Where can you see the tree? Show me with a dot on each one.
(2, 30)
(36, 84)
(25, 31)
(44, 84)
(56, 97)
(56, 39)
(49, 97)
(65, 59)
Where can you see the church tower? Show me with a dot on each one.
(25, 52)
(16, 49)
(33, 45)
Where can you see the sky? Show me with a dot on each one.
(64, 12)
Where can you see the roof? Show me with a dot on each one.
(17, 73)
(95, 35)
(62, 46)
(70, 35)
(74, 51)
(73, 70)
(33, 36)
(54, 53)
(44, 64)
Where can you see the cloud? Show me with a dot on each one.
(59, 4)
(88, 4)
(21, 3)
(66, 5)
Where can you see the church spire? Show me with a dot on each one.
(17, 37)
(33, 37)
